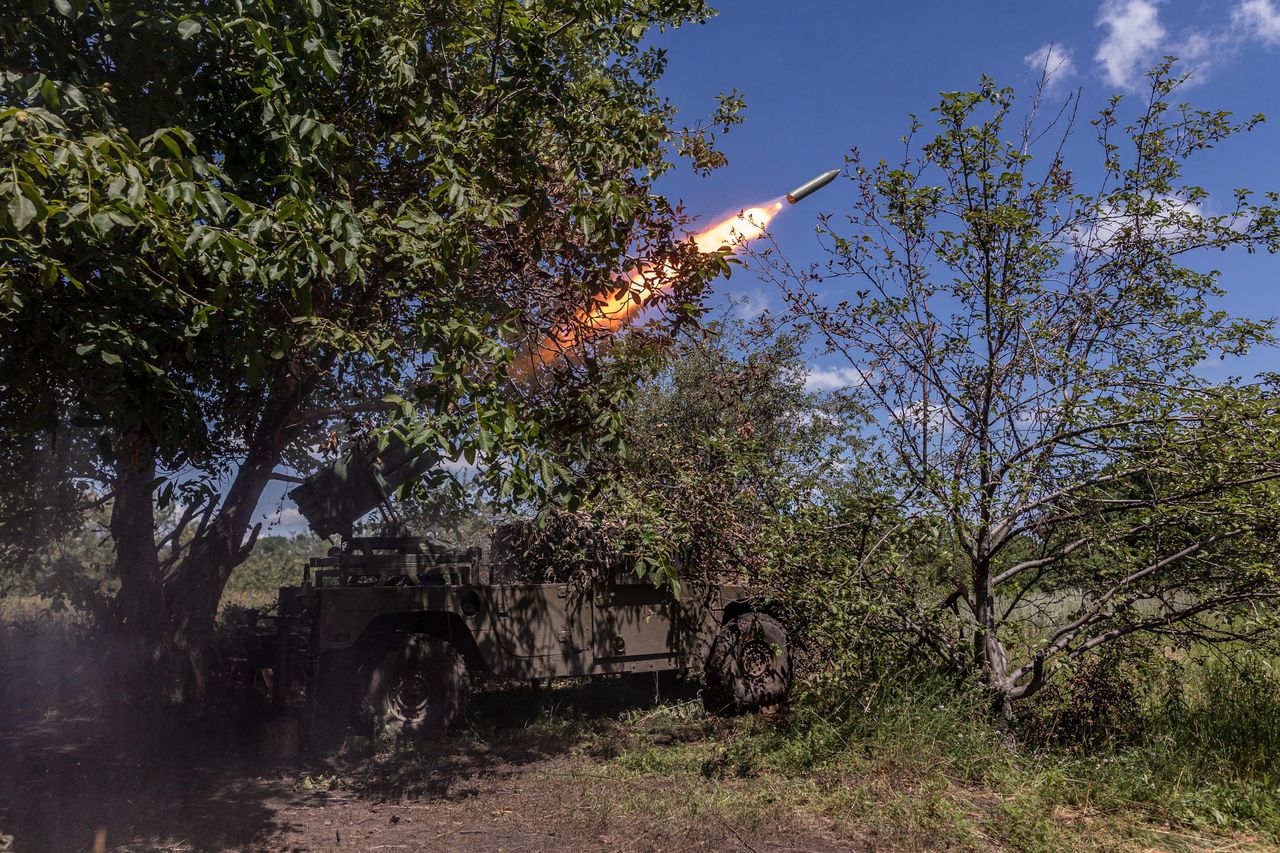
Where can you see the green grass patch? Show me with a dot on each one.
(919, 763)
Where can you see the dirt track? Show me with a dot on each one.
(513, 783)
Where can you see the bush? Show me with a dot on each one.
(275, 561)
(1137, 736)
(1222, 717)
(1094, 706)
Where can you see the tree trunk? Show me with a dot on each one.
(193, 595)
(194, 591)
(140, 615)
(133, 533)
(168, 617)
(988, 649)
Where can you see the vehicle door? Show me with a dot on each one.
(535, 620)
(632, 619)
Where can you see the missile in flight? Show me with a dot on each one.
(808, 188)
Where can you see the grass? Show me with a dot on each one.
(922, 767)
(1188, 761)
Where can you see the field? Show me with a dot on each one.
(610, 765)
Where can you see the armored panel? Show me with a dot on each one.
(633, 621)
(533, 620)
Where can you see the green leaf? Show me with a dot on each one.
(201, 290)
(332, 61)
(21, 211)
(49, 93)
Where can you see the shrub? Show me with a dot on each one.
(1093, 706)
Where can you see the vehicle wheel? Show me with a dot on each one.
(419, 688)
(749, 666)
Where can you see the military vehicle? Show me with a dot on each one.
(391, 628)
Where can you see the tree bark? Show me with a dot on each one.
(132, 531)
(170, 616)
(988, 649)
(139, 610)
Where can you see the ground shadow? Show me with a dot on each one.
(76, 762)
(514, 725)
(145, 781)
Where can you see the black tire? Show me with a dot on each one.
(749, 666)
(419, 688)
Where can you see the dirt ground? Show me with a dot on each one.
(533, 771)
(590, 765)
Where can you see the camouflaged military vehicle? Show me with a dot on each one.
(392, 628)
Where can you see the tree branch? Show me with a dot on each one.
(311, 415)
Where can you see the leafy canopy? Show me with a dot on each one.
(1029, 334)
(237, 222)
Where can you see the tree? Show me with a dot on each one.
(231, 230)
(725, 452)
(41, 504)
(1032, 351)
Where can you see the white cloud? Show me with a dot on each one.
(1135, 39)
(1198, 47)
(1259, 19)
(1134, 35)
(832, 378)
(917, 415)
(460, 468)
(287, 521)
(1211, 362)
(808, 417)
(1170, 221)
(749, 305)
(1054, 62)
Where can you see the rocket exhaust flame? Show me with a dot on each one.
(637, 288)
(613, 312)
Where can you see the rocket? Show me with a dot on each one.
(808, 188)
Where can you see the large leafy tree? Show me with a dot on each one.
(231, 227)
(1031, 336)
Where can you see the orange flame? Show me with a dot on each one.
(611, 313)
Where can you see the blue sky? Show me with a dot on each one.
(822, 76)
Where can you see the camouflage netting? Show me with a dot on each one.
(557, 546)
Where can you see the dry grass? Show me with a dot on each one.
(259, 599)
